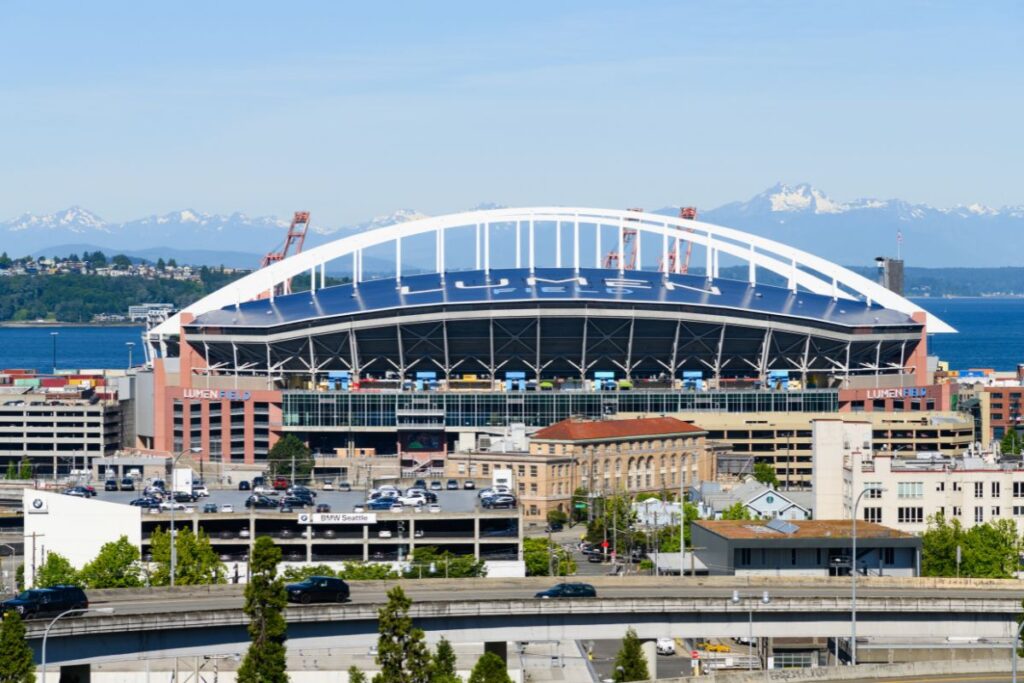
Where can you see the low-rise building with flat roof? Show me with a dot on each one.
(803, 548)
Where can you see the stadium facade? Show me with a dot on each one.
(470, 322)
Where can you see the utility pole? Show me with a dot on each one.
(551, 555)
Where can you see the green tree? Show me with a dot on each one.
(265, 601)
(992, 550)
(97, 259)
(938, 546)
(196, 563)
(116, 566)
(355, 675)
(537, 554)
(445, 565)
(5, 260)
(302, 572)
(16, 663)
(614, 522)
(1011, 443)
(160, 265)
(765, 473)
(736, 511)
(121, 262)
(367, 571)
(172, 263)
(25, 469)
(12, 471)
(630, 663)
(490, 669)
(56, 570)
(443, 662)
(281, 455)
(556, 516)
(401, 650)
(19, 577)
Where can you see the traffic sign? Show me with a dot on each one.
(694, 655)
(580, 506)
(604, 544)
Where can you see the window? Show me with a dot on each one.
(792, 557)
(941, 511)
(910, 489)
(533, 470)
(995, 489)
(876, 493)
(1018, 489)
(873, 515)
(979, 489)
(979, 515)
(745, 556)
(956, 486)
(1018, 510)
(889, 556)
(909, 515)
(957, 511)
(941, 486)
(995, 511)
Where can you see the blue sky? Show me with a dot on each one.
(356, 110)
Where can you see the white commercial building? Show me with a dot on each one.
(971, 489)
(74, 527)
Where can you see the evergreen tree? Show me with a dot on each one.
(442, 664)
(25, 470)
(116, 566)
(284, 451)
(736, 511)
(1011, 443)
(265, 600)
(160, 265)
(172, 263)
(16, 665)
(490, 669)
(12, 471)
(196, 563)
(401, 651)
(630, 663)
(56, 570)
(355, 675)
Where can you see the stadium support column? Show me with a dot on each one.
(918, 361)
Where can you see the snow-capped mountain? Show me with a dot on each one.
(851, 232)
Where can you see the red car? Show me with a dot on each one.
(281, 484)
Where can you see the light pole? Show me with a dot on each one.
(765, 599)
(46, 633)
(174, 502)
(853, 574)
(13, 554)
(53, 336)
(131, 347)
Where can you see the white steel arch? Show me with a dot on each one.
(800, 268)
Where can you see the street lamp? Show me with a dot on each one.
(131, 347)
(765, 599)
(174, 540)
(853, 574)
(14, 553)
(46, 633)
(53, 336)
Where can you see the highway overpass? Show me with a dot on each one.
(202, 621)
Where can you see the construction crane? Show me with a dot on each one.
(297, 237)
(687, 213)
(629, 235)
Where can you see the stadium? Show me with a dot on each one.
(576, 302)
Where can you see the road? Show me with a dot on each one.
(371, 592)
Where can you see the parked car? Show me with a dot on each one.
(209, 507)
(384, 533)
(77, 491)
(452, 485)
(555, 527)
(420, 484)
(318, 589)
(323, 507)
(414, 501)
(41, 602)
(89, 489)
(381, 504)
(468, 485)
(434, 507)
(665, 646)
(500, 501)
(328, 485)
(259, 481)
(296, 501)
(304, 491)
(160, 484)
(435, 485)
(281, 484)
(595, 558)
(243, 485)
(184, 497)
(358, 507)
(127, 484)
(110, 485)
(229, 508)
(172, 505)
(344, 486)
(200, 490)
(258, 502)
(146, 503)
(568, 590)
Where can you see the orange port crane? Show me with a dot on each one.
(611, 261)
(297, 237)
(688, 213)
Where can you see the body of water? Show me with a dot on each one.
(991, 335)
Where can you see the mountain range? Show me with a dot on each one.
(848, 232)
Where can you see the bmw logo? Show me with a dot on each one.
(304, 518)
(38, 503)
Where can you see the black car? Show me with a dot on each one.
(40, 602)
(110, 485)
(127, 484)
(259, 481)
(318, 589)
(256, 501)
(500, 501)
(209, 507)
(452, 485)
(183, 497)
(243, 485)
(568, 590)
(420, 484)
(555, 526)
(323, 508)
(146, 503)
(303, 491)
(296, 501)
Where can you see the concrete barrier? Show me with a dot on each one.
(860, 672)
